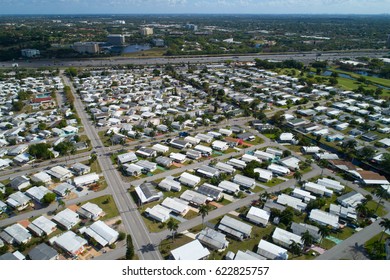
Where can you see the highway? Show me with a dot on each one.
(305, 57)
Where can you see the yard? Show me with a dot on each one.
(108, 205)
(167, 245)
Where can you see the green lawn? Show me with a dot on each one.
(107, 203)
(190, 215)
(167, 245)
(273, 182)
(372, 205)
(376, 249)
(327, 244)
(344, 234)
(153, 225)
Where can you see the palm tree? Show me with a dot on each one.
(307, 239)
(298, 176)
(385, 223)
(324, 231)
(382, 194)
(295, 248)
(362, 209)
(264, 196)
(173, 226)
(204, 211)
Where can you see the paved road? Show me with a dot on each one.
(305, 57)
(353, 247)
(50, 208)
(131, 218)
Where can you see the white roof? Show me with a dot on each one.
(263, 173)
(59, 171)
(69, 241)
(159, 213)
(123, 158)
(194, 197)
(44, 224)
(41, 177)
(177, 156)
(203, 149)
(332, 184)
(257, 213)
(324, 218)
(284, 236)
(316, 188)
(160, 148)
(271, 251)
(243, 180)
(18, 232)
(293, 202)
(219, 144)
(102, 233)
(190, 251)
(229, 186)
(278, 168)
(92, 208)
(174, 205)
(264, 155)
(292, 162)
(189, 177)
(67, 218)
(37, 193)
(86, 179)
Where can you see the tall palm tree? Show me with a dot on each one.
(295, 248)
(362, 209)
(298, 176)
(307, 239)
(324, 231)
(204, 211)
(385, 223)
(264, 196)
(173, 225)
(382, 194)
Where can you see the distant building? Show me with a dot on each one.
(146, 31)
(158, 42)
(116, 39)
(86, 47)
(388, 41)
(191, 26)
(30, 53)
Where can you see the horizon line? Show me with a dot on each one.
(253, 14)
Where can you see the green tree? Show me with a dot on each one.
(298, 176)
(48, 198)
(307, 239)
(385, 223)
(287, 216)
(295, 248)
(121, 236)
(129, 248)
(40, 151)
(324, 231)
(172, 225)
(382, 194)
(362, 209)
(204, 211)
(42, 126)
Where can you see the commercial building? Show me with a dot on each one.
(146, 31)
(86, 47)
(116, 39)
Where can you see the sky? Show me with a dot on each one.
(194, 6)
